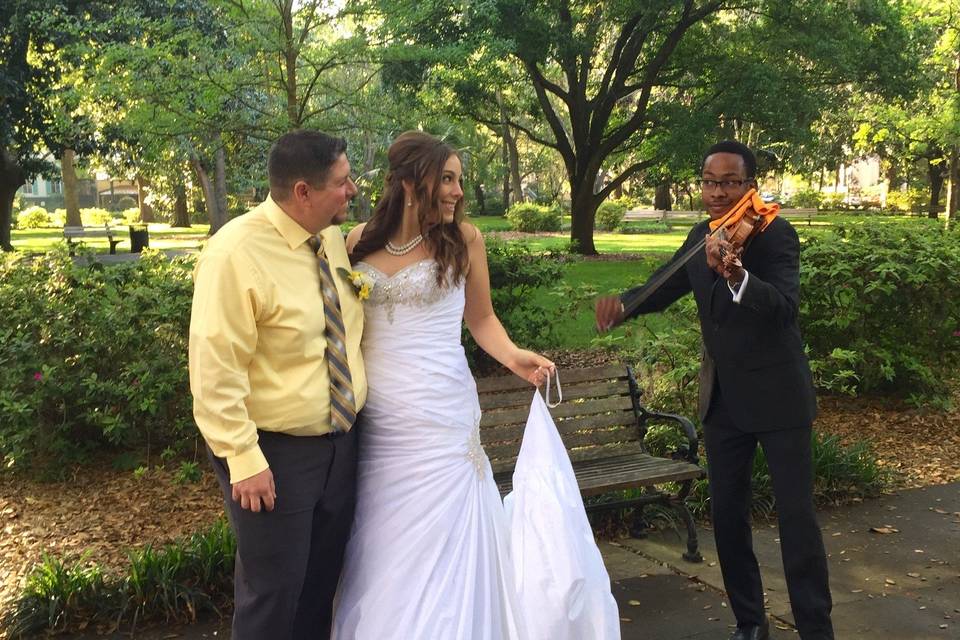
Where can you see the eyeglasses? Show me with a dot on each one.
(703, 183)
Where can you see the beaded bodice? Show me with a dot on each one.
(414, 285)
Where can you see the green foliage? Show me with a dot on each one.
(34, 218)
(95, 217)
(515, 273)
(94, 357)
(175, 583)
(831, 200)
(529, 217)
(188, 473)
(840, 474)
(610, 215)
(58, 593)
(805, 199)
(668, 358)
(131, 215)
(881, 307)
(912, 200)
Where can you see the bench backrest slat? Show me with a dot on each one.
(512, 382)
(490, 435)
(595, 419)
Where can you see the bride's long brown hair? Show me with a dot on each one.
(418, 158)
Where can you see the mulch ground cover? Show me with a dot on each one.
(102, 512)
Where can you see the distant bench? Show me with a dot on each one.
(659, 215)
(74, 233)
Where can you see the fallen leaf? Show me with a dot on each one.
(886, 529)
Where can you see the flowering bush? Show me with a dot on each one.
(94, 357)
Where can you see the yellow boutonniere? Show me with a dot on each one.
(361, 282)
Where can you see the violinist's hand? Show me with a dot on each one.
(732, 268)
(714, 249)
(609, 312)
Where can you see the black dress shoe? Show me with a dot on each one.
(752, 632)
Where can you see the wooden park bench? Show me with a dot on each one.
(74, 233)
(799, 214)
(660, 215)
(603, 424)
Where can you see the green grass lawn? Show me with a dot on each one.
(162, 236)
(589, 279)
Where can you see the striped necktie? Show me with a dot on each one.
(342, 405)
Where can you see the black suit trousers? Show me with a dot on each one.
(730, 453)
(289, 559)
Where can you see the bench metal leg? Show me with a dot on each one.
(692, 554)
(639, 523)
(679, 503)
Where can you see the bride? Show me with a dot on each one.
(428, 558)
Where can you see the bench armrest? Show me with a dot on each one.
(644, 416)
(693, 442)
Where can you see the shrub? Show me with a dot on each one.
(17, 203)
(831, 200)
(880, 308)
(610, 215)
(529, 217)
(131, 215)
(912, 200)
(95, 217)
(94, 358)
(805, 199)
(515, 273)
(34, 218)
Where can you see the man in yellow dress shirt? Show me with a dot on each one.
(259, 374)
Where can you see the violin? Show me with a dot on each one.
(750, 216)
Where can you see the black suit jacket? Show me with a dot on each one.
(753, 349)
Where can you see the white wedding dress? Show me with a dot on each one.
(429, 555)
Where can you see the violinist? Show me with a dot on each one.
(755, 384)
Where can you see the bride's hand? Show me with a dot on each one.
(532, 367)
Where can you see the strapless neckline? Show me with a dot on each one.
(399, 271)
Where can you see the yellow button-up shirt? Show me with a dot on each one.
(257, 345)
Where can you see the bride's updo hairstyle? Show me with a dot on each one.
(417, 158)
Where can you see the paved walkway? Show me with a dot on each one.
(894, 572)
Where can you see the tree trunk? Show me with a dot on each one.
(661, 197)
(214, 215)
(953, 188)
(936, 185)
(583, 215)
(146, 211)
(506, 175)
(478, 195)
(290, 65)
(181, 217)
(513, 155)
(364, 205)
(11, 179)
(220, 183)
(71, 197)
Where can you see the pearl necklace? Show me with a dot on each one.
(405, 248)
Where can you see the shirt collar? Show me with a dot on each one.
(287, 227)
